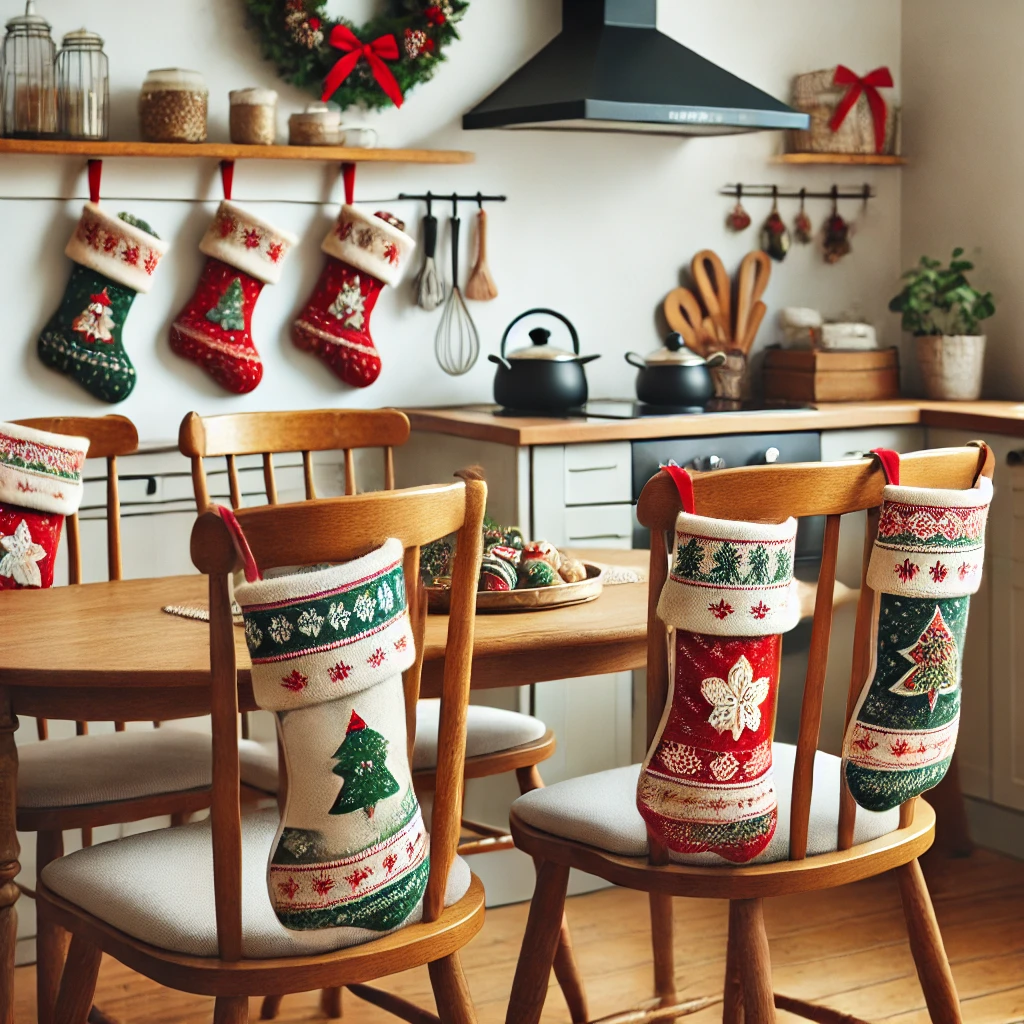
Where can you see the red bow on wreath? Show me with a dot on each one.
(869, 85)
(384, 47)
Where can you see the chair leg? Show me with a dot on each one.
(567, 973)
(926, 946)
(271, 1007)
(732, 1002)
(231, 1010)
(51, 939)
(752, 950)
(451, 992)
(543, 928)
(663, 945)
(330, 1003)
(78, 983)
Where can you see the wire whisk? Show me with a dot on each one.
(457, 343)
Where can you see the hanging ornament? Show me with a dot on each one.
(774, 235)
(803, 230)
(837, 233)
(738, 219)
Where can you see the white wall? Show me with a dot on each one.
(597, 226)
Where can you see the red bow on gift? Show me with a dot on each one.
(384, 47)
(869, 85)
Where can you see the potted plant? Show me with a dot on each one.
(941, 309)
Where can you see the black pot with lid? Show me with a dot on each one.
(675, 376)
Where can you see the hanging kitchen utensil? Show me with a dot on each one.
(684, 316)
(755, 272)
(481, 287)
(714, 287)
(430, 283)
(837, 233)
(803, 230)
(457, 343)
(738, 218)
(774, 235)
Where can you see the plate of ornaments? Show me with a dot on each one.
(515, 574)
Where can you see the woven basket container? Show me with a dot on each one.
(951, 366)
(817, 95)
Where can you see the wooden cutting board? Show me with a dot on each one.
(831, 376)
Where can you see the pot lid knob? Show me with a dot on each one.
(540, 335)
(674, 342)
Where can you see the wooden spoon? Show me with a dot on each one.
(684, 316)
(714, 287)
(755, 271)
(480, 285)
(757, 313)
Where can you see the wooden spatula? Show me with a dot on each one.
(481, 286)
(755, 270)
(684, 315)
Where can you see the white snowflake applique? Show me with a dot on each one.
(310, 622)
(21, 557)
(736, 700)
(365, 606)
(350, 305)
(385, 598)
(280, 629)
(338, 615)
(253, 634)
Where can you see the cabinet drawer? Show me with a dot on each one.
(599, 526)
(597, 474)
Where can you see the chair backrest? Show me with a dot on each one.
(769, 494)
(337, 530)
(274, 433)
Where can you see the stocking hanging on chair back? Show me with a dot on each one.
(328, 649)
(40, 484)
(706, 785)
(925, 563)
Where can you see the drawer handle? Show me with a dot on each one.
(600, 536)
(592, 469)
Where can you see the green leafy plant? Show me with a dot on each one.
(940, 300)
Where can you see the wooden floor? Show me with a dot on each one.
(846, 948)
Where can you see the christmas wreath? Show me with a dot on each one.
(370, 65)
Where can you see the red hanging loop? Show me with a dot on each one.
(348, 176)
(227, 176)
(252, 571)
(95, 174)
(683, 484)
(890, 462)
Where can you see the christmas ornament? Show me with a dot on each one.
(115, 258)
(380, 61)
(738, 219)
(774, 235)
(803, 230)
(925, 563)
(836, 242)
(40, 484)
(213, 330)
(537, 573)
(706, 785)
(364, 253)
(328, 649)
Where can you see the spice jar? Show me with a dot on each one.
(317, 125)
(253, 116)
(83, 86)
(29, 83)
(172, 106)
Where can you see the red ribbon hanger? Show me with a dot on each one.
(684, 485)
(890, 462)
(381, 49)
(880, 78)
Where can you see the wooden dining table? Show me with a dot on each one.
(107, 652)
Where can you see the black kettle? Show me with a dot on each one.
(674, 375)
(541, 377)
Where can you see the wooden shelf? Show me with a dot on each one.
(229, 151)
(848, 159)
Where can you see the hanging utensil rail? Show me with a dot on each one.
(429, 197)
(864, 193)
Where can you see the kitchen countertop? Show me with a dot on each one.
(480, 422)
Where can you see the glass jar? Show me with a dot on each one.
(29, 83)
(83, 87)
(253, 117)
(172, 106)
(317, 125)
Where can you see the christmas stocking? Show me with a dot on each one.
(925, 564)
(364, 254)
(40, 484)
(706, 785)
(328, 649)
(214, 328)
(115, 257)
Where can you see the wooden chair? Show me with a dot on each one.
(497, 741)
(765, 494)
(332, 530)
(79, 783)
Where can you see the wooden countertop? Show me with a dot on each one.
(479, 422)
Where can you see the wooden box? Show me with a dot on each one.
(837, 375)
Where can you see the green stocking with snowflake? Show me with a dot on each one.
(115, 258)
(925, 563)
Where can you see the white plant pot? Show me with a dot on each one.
(951, 366)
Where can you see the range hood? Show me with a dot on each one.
(612, 70)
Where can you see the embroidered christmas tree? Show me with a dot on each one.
(362, 764)
(935, 659)
(725, 564)
(689, 557)
(758, 570)
(228, 313)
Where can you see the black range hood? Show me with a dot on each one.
(612, 70)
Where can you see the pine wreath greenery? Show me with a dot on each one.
(295, 34)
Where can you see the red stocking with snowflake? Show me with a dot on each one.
(214, 330)
(706, 786)
(364, 253)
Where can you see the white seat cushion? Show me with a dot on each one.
(600, 810)
(112, 767)
(488, 731)
(158, 887)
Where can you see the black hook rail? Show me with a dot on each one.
(442, 197)
(864, 193)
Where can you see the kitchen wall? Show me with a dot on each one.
(597, 226)
(962, 76)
